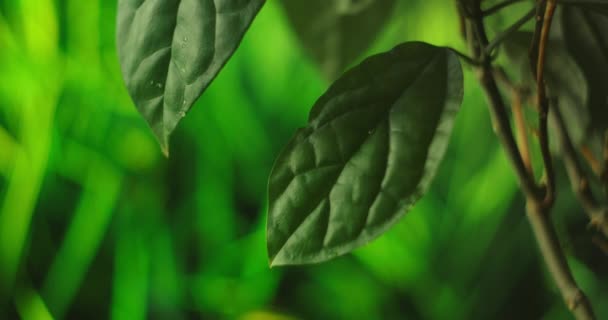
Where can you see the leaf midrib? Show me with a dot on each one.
(385, 116)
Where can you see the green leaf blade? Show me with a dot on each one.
(372, 146)
(600, 6)
(586, 39)
(171, 50)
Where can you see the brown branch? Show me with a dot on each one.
(502, 127)
(533, 52)
(520, 122)
(543, 102)
(500, 117)
(520, 125)
(537, 208)
(593, 162)
(547, 240)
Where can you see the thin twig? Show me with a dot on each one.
(499, 38)
(547, 240)
(543, 103)
(500, 117)
(469, 60)
(538, 213)
(593, 162)
(533, 52)
(520, 127)
(503, 78)
(580, 183)
(520, 122)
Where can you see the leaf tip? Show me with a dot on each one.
(164, 146)
(276, 259)
(271, 264)
(280, 259)
(272, 260)
(165, 151)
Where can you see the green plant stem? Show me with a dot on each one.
(537, 212)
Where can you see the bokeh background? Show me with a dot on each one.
(95, 223)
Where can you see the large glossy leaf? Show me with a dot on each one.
(564, 78)
(171, 50)
(336, 32)
(586, 36)
(371, 148)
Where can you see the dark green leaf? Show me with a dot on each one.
(600, 6)
(565, 80)
(586, 36)
(171, 50)
(371, 148)
(336, 32)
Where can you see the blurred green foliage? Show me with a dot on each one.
(95, 223)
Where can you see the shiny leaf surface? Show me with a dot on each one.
(371, 148)
(171, 50)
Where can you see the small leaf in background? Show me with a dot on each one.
(371, 148)
(600, 6)
(336, 32)
(586, 37)
(171, 50)
(565, 80)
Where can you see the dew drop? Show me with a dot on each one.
(159, 85)
(181, 114)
